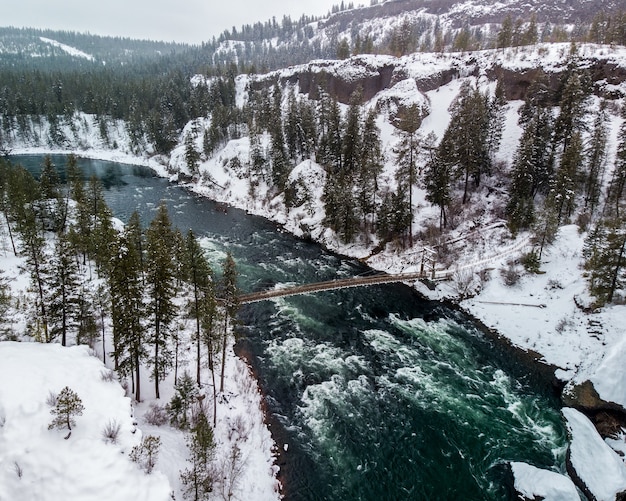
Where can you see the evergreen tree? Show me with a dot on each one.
(136, 238)
(370, 169)
(617, 186)
(437, 179)
(407, 152)
(185, 391)
(351, 135)
(146, 453)
(63, 290)
(563, 194)
(192, 156)
(229, 293)
(465, 142)
(505, 35)
(198, 274)
(161, 282)
(68, 405)
(198, 479)
(330, 147)
(279, 160)
(544, 227)
(32, 247)
(49, 206)
(595, 153)
(571, 105)
(127, 310)
(49, 181)
(102, 232)
(532, 169)
(605, 258)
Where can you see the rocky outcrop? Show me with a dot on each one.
(608, 417)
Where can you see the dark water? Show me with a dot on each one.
(379, 394)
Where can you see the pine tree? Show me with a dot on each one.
(605, 258)
(63, 291)
(192, 156)
(68, 405)
(437, 179)
(279, 159)
(32, 247)
(185, 391)
(146, 453)
(127, 310)
(50, 208)
(532, 169)
(617, 186)
(160, 279)
(198, 479)
(571, 105)
(198, 274)
(563, 194)
(49, 181)
(370, 169)
(102, 232)
(465, 142)
(229, 293)
(505, 35)
(596, 159)
(407, 151)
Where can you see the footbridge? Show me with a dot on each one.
(341, 283)
(427, 272)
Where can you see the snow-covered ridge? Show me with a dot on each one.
(72, 51)
(432, 70)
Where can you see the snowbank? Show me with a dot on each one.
(536, 483)
(600, 470)
(37, 463)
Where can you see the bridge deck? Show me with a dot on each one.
(341, 283)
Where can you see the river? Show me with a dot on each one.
(377, 393)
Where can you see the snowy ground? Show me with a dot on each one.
(37, 463)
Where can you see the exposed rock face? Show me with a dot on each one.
(607, 417)
(373, 75)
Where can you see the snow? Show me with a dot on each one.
(72, 51)
(83, 467)
(596, 464)
(533, 483)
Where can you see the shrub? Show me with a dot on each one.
(145, 454)
(510, 275)
(111, 431)
(156, 415)
(107, 375)
(531, 262)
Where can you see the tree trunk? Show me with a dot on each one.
(156, 358)
(138, 386)
(618, 265)
(224, 352)
(10, 234)
(211, 368)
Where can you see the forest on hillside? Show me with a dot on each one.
(558, 172)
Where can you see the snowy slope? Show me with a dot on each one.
(535, 483)
(598, 467)
(37, 463)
